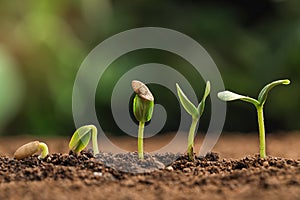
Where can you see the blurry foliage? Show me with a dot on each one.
(10, 88)
(252, 42)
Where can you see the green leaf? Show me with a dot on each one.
(231, 96)
(201, 105)
(80, 138)
(186, 103)
(262, 97)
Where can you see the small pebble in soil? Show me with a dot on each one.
(169, 168)
(98, 174)
(186, 170)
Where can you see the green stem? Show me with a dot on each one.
(261, 125)
(95, 140)
(190, 150)
(140, 140)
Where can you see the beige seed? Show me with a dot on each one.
(27, 150)
(142, 90)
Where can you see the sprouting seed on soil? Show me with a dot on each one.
(31, 148)
(81, 138)
(143, 104)
(259, 104)
(195, 113)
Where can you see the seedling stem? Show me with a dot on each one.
(261, 126)
(191, 138)
(140, 140)
(94, 139)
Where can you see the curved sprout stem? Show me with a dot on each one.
(94, 139)
(44, 148)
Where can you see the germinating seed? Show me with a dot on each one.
(27, 150)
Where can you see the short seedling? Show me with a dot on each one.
(31, 148)
(81, 139)
(195, 113)
(259, 104)
(143, 104)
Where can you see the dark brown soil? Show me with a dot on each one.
(70, 176)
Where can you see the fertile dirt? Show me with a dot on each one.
(233, 171)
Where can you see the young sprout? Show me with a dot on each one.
(143, 104)
(81, 138)
(259, 104)
(195, 113)
(31, 148)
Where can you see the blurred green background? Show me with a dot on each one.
(43, 43)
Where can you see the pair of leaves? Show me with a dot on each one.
(189, 106)
(262, 97)
(81, 138)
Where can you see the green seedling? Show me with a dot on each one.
(259, 104)
(31, 148)
(143, 104)
(81, 139)
(196, 113)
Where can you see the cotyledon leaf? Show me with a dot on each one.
(201, 105)
(231, 96)
(186, 103)
(80, 138)
(262, 97)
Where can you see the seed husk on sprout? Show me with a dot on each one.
(142, 90)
